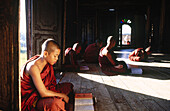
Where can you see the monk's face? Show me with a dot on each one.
(100, 44)
(53, 56)
(113, 43)
(78, 50)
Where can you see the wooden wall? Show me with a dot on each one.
(9, 55)
(106, 25)
(47, 22)
(139, 31)
(166, 29)
(144, 16)
(160, 16)
(71, 23)
(101, 23)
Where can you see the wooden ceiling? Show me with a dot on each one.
(115, 3)
(121, 5)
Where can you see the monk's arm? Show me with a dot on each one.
(132, 54)
(109, 56)
(72, 60)
(35, 74)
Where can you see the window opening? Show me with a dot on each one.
(22, 31)
(126, 34)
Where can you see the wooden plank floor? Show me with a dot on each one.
(147, 92)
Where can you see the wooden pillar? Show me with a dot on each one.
(139, 36)
(64, 30)
(77, 21)
(29, 27)
(96, 25)
(147, 27)
(117, 26)
(9, 60)
(162, 23)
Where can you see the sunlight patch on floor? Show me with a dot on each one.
(165, 64)
(147, 86)
(155, 60)
(122, 52)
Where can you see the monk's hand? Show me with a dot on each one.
(66, 98)
(119, 66)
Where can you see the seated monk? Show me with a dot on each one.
(39, 90)
(92, 52)
(71, 63)
(107, 59)
(140, 54)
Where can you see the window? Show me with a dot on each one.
(23, 44)
(125, 32)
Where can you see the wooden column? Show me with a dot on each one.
(29, 27)
(162, 24)
(147, 27)
(64, 30)
(9, 60)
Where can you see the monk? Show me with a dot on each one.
(71, 58)
(39, 90)
(92, 52)
(107, 60)
(140, 54)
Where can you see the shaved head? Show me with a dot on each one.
(49, 45)
(110, 39)
(111, 42)
(99, 43)
(76, 46)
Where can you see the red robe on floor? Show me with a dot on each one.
(135, 56)
(29, 93)
(91, 53)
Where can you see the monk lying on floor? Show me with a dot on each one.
(140, 54)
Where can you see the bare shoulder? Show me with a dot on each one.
(31, 68)
(104, 52)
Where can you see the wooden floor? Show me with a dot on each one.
(147, 92)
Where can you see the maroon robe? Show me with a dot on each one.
(108, 68)
(71, 60)
(136, 55)
(30, 95)
(91, 53)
